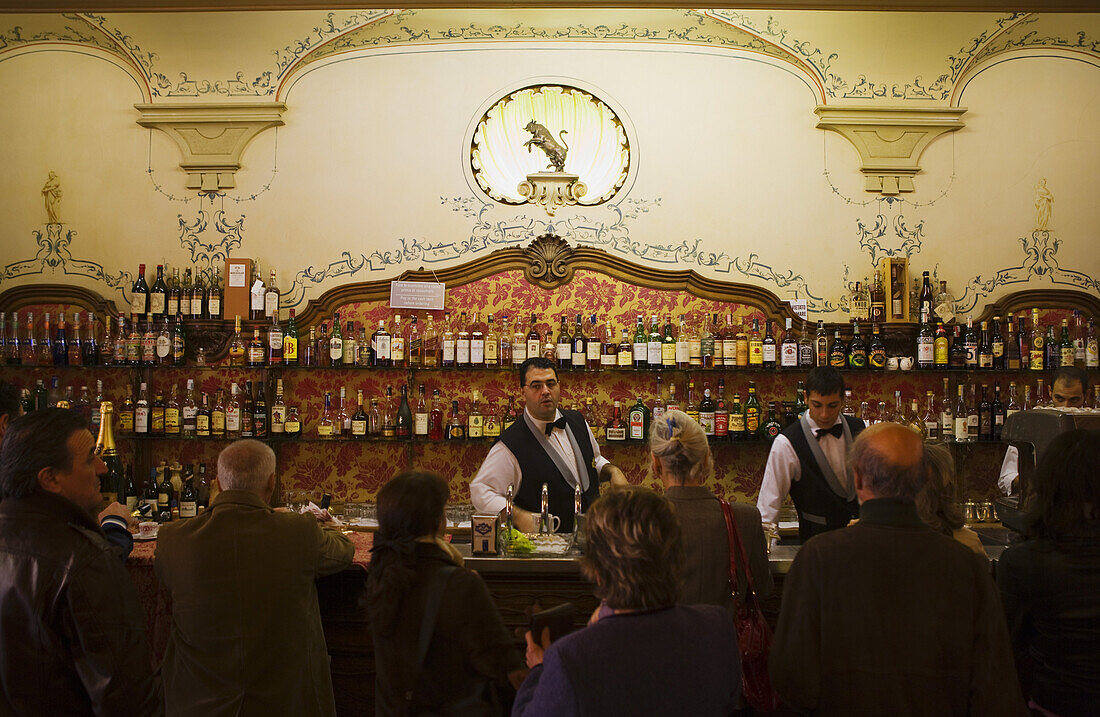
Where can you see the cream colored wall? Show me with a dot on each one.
(720, 111)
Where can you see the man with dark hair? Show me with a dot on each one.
(246, 626)
(1068, 391)
(807, 460)
(550, 446)
(889, 616)
(72, 632)
(10, 406)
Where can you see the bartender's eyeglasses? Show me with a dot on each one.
(539, 385)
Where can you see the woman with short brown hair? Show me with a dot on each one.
(641, 652)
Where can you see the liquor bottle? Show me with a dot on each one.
(172, 303)
(150, 495)
(641, 346)
(710, 342)
(359, 418)
(237, 348)
(420, 415)
(859, 304)
(185, 293)
(503, 341)
(74, 354)
(805, 348)
(189, 499)
(141, 410)
(691, 408)
(276, 342)
(721, 413)
(148, 343)
(494, 419)
(259, 412)
(681, 346)
(158, 296)
(519, 343)
(707, 411)
(139, 294)
(435, 417)
(534, 339)
(944, 304)
(615, 430)
(611, 350)
(217, 415)
(878, 308)
(947, 413)
(13, 352)
(737, 418)
(857, 350)
(756, 345)
(971, 342)
(999, 412)
(694, 341)
(202, 417)
(931, 418)
(1011, 344)
(997, 345)
(374, 419)
(941, 347)
(985, 349)
(404, 423)
(484, 342)
(769, 359)
(463, 343)
(973, 416)
(838, 352)
(654, 341)
(354, 352)
(926, 347)
(1092, 347)
(1067, 347)
(455, 430)
(578, 346)
(771, 426)
(164, 496)
(477, 341)
(326, 424)
(271, 298)
(788, 349)
(290, 341)
(256, 350)
(342, 420)
(60, 343)
(962, 412)
(278, 410)
(214, 298)
(957, 354)
(729, 343)
(45, 345)
(91, 347)
(1078, 337)
(985, 416)
(179, 342)
(1035, 350)
(118, 343)
(563, 349)
(335, 343)
(625, 356)
(198, 298)
(156, 415)
(752, 413)
(821, 345)
(449, 346)
(389, 416)
(1052, 350)
(638, 421)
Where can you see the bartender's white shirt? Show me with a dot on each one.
(501, 468)
(1010, 470)
(784, 467)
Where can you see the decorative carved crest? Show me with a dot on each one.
(549, 255)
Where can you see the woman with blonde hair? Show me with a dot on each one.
(681, 460)
(937, 502)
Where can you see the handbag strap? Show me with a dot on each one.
(436, 584)
(737, 547)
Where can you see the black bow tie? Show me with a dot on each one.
(560, 423)
(837, 430)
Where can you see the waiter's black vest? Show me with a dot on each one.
(536, 468)
(812, 494)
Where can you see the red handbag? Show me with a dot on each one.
(754, 637)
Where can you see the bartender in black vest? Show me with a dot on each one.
(547, 445)
(808, 459)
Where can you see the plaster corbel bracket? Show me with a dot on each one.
(889, 140)
(211, 136)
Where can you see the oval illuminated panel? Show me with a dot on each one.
(599, 152)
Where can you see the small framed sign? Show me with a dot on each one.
(417, 294)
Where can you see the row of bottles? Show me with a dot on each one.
(1017, 346)
(190, 297)
(133, 343)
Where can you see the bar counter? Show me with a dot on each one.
(515, 584)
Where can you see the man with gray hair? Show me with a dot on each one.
(246, 628)
(888, 616)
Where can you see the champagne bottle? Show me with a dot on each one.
(110, 483)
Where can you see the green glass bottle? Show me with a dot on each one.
(290, 341)
(638, 422)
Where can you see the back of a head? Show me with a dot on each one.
(937, 501)
(633, 550)
(246, 465)
(35, 441)
(681, 445)
(1065, 488)
(411, 505)
(890, 461)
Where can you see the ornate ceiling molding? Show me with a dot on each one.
(889, 140)
(211, 136)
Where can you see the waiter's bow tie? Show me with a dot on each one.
(837, 430)
(560, 423)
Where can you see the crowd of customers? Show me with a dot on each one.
(895, 614)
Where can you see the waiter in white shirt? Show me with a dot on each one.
(1069, 392)
(547, 445)
(808, 459)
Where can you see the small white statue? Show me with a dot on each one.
(1044, 204)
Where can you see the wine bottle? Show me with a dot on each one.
(158, 296)
(139, 294)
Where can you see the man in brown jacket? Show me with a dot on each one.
(888, 617)
(246, 628)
